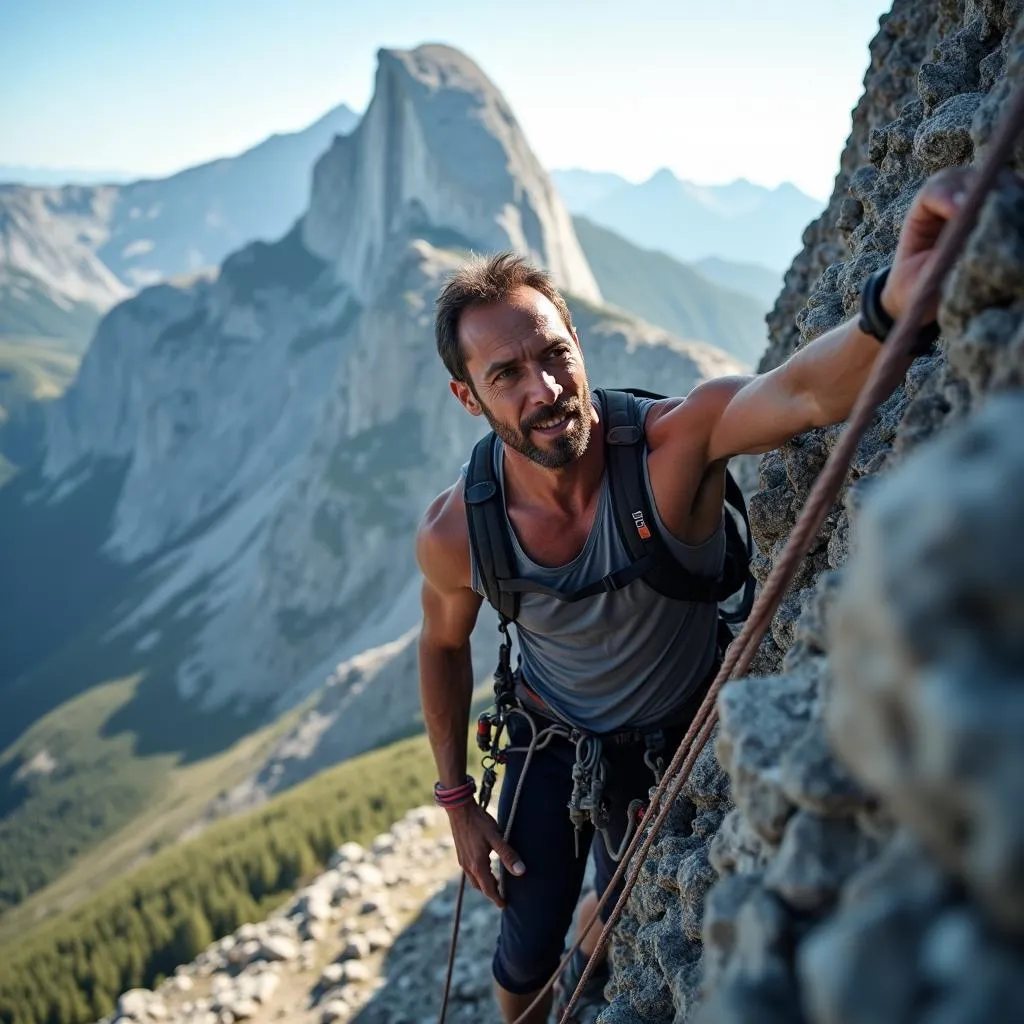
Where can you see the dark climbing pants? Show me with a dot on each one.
(540, 903)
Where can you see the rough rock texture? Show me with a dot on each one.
(868, 867)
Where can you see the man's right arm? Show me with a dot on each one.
(450, 608)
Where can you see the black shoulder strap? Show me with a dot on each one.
(624, 454)
(488, 537)
(631, 501)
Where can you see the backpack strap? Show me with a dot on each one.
(634, 513)
(739, 553)
(488, 536)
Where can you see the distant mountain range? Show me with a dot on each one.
(668, 293)
(99, 243)
(56, 177)
(740, 222)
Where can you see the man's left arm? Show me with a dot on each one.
(818, 385)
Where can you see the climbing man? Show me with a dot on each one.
(603, 651)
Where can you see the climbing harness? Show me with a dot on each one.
(587, 804)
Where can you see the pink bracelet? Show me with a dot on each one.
(457, 795)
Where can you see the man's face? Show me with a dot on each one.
(526, 376)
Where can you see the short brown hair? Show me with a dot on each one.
(479, 282)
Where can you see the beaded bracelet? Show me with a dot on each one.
(457, 795)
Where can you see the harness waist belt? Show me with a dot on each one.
(531, 701)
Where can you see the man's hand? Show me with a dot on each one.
(476, 833)
(937, 201)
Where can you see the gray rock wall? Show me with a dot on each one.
(852, 847)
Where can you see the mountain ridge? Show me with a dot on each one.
(738, 221)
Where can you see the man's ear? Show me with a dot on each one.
(464, 393)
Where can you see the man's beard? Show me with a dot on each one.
(561, 450)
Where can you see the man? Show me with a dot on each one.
(507, 339)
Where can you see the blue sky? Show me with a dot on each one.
(712, 90)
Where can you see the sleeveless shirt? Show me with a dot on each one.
(629, 658)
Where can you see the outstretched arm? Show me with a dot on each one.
(819, 384)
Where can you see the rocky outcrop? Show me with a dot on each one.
(867, 866)
(52, 236)
(438, 155)
(365, 941)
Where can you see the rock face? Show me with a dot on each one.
(283, 423)
(439, 154)
(867, 775)
(52, 235)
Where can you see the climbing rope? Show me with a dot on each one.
(888, 370)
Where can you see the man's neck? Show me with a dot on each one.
(570, 489)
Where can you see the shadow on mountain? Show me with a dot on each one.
(63, 597)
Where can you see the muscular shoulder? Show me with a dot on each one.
(442, 541)
(685, 424)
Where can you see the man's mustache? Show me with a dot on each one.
(569, 406)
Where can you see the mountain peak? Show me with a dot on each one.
(439, 149)
(663, 176)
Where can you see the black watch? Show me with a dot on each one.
(875, 320)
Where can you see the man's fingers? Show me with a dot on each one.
(508, 856)
(488, 884)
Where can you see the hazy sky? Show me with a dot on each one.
(713, 89)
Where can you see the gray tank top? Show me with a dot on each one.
(627, 658)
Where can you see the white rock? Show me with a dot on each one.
(278, 947)
(317, 906)
(242, 1009)
(333, 1011)
(357, 971)
(265, 987)
(347, 888)
(347, 853)
(332, 974)
(134, 1002)
(369, 875)
(384, 843)
(378, 938)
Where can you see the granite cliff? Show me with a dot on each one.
(849, 847)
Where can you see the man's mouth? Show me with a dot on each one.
(553, 424)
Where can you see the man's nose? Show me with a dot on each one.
(544, 388)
